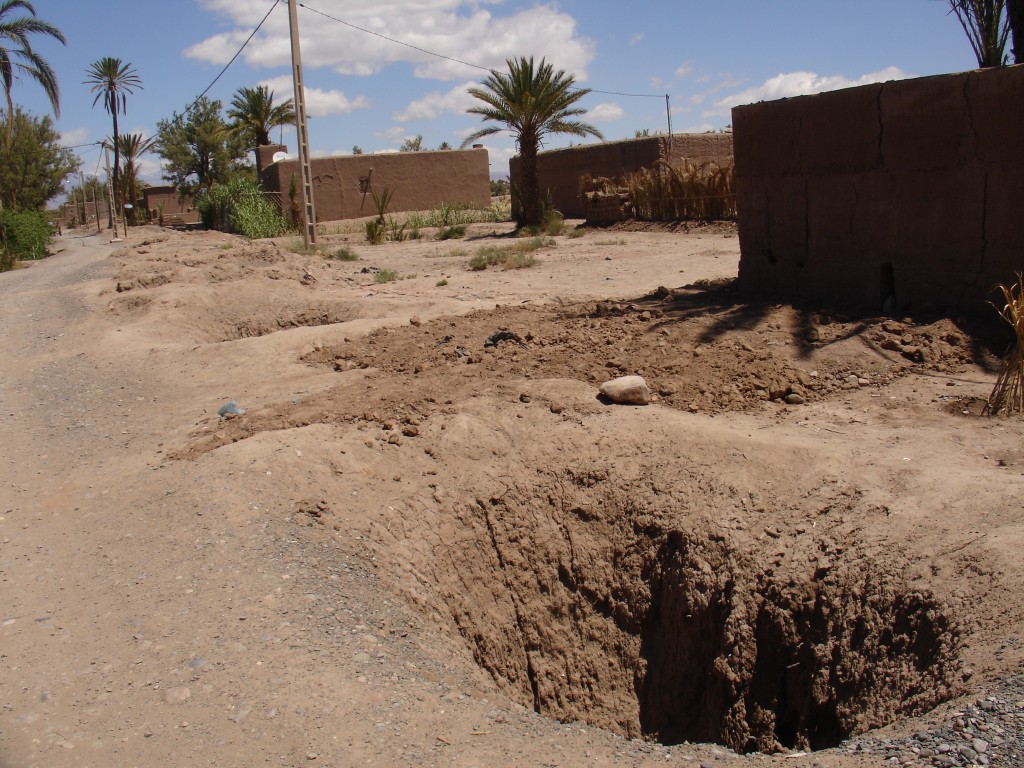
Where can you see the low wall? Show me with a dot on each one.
(560, 169)
(418, 180)
(901, 195)
(165, 202)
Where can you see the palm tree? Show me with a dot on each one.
(132, 147)
(530, 102)
(254, 114)
(112, 80)
(22, 58)
(987, 27)
(1015, 14)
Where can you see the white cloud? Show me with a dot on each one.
(433, 105)
(799, 84)
(75, 137)
(636, 38)
(319, 103)
(460, 29)
(684, 70)
(604, 113)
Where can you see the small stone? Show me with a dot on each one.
(943, 748)
(410, 430)
(525, 398)
(556, 407)
(980, 746)
(627, 389)
(967, 753)
(794, 399)
(361, 657)
(394, 439)
(177, 695)
(415, 320)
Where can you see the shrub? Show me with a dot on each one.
(344, 253)
(517, 256)
(242, 208)
(1008, 392)
(667, 192)
(375, 232)
(441, 283)
(451, 233)
(24, 236)
(385, 276)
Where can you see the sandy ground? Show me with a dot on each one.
(418, 548)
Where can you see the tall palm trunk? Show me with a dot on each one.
(529, 203)
(117, 167)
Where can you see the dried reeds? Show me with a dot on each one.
(1008, 393)
(694, 191)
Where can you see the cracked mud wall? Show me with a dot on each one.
(904, 195)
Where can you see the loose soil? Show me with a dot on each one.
(428, 540)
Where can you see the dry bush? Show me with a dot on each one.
(1008, 393)
(694, 191)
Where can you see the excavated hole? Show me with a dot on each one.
(604, 614)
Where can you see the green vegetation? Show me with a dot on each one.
(198, 150)
(412, 144)
(33, 165)
(22, 58)
(132, 147)
(530, 102)
(24, 236)
(667, 192)
(385, 276)
(253, 115)
(344, 253)
(455, 214)
(516, 256)
(441, 283)
(500, 187)
(452, 233)
(240, 207)
(113, 80)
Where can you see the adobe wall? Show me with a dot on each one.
(560, 169)
(418, 180)
(903, 195)
(164, 201)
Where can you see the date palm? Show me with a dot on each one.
(254, 115)
(112, 80)
(133, 146)
(21, 58)
(530, 102)
(987, 26)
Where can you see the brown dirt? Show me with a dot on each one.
(416, 544)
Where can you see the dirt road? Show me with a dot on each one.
(415, 548)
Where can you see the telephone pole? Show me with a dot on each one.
(309, 212)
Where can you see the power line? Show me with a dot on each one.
(460, 61)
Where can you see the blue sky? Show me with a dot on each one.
(363, 90)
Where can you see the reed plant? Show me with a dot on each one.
(667, 192)
(1008, 393)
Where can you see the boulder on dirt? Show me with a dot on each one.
(632, 390)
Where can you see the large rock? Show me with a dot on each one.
(627, 389)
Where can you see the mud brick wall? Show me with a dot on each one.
(165, 201)
(560, 169)
(418, 180)
(900, 196)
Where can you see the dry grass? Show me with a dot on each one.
(517, 256)
(667, 192)
(1008, 393)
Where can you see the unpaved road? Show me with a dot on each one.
(315, 582)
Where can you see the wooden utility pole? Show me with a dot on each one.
(309, 211)
(110, 197)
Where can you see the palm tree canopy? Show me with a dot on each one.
(530, 101)
(112, 80)
(254, 115)
(22, 58)
(133, 145)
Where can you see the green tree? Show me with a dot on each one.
(356, 149)
(444, 146)
(530, 102)
(133, 146)
(21, 58)
(987, 27)
(414, 144)
(198, 149)
(112, 80)
(254, 115)
(33, 167)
